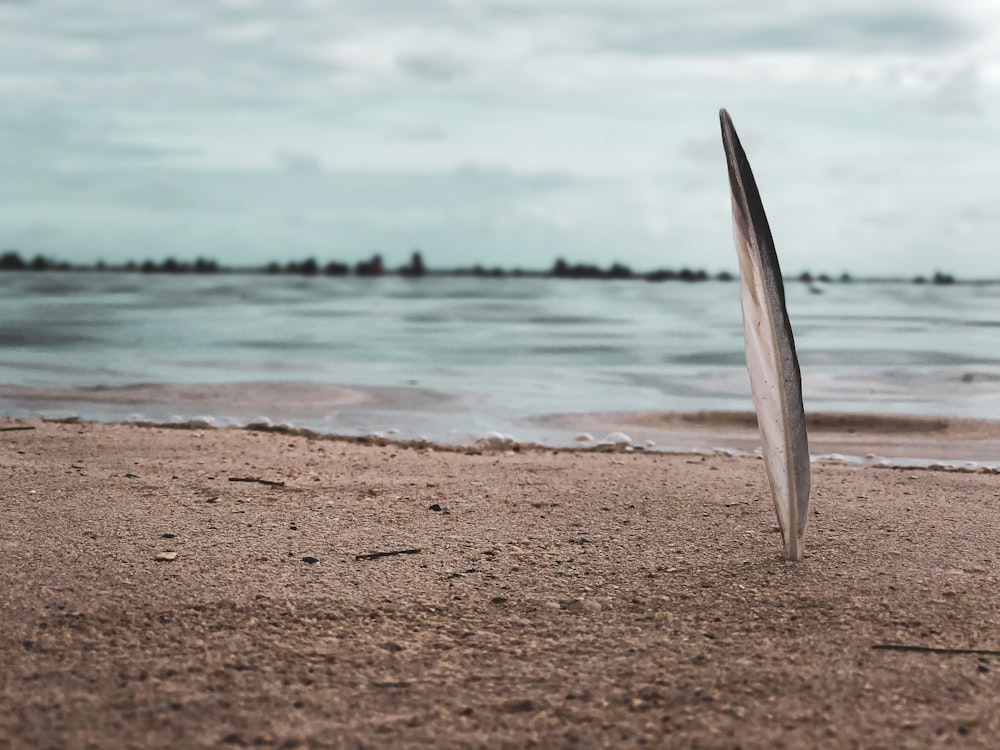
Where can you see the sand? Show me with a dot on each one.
(556, 599)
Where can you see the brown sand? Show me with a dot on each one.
(557, 600)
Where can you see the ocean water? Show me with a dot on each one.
(456, 358)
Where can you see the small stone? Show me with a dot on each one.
(310, 560)
(499, 600)
(168, 536)
(435, 507)
(165, 556)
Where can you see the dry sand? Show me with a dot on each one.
(558, 599)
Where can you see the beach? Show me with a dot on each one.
(224, 587)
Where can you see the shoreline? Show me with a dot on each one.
(858, 439)
(197, 588)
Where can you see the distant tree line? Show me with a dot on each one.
(11, 260)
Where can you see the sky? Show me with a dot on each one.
(501, 132)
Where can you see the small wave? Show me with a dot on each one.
(45, 338)
(572, 320)
(578, 349)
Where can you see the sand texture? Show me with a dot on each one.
(557, 599)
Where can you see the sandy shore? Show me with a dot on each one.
(555, 599)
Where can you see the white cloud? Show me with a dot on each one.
(961, 92)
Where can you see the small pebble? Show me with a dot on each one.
(165, 556)
(310, 560)
(435, 507)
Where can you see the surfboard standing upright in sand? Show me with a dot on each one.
(775, 379)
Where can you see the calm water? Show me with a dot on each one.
(451, 358)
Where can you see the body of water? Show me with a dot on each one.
(454, 358)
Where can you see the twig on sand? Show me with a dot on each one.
(267, 482)
(377, 555)
(935, 649)
(16, 429)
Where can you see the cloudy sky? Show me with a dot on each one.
(500, 131)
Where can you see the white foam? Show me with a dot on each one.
(496, 441)
(730, 452)
(618, 439)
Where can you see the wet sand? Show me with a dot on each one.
(924, 439)
(554, 598)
